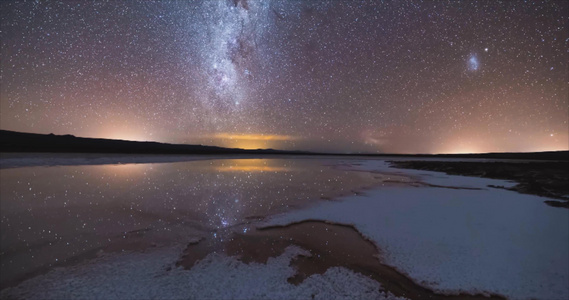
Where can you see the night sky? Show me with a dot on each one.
(348, 76)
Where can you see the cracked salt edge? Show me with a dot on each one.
(452, 240)
(153, 275)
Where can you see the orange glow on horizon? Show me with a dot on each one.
(252, 141)
(250, 165)
(463, 145)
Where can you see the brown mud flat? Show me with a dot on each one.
(546, 179)
(330, 245)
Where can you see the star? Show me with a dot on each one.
(328, 75)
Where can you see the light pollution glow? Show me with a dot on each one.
(251, 141)
(323, 76)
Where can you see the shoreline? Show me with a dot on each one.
(329, 244)
(146, 237)
(10, 160)
(545, 179)
(241, 241)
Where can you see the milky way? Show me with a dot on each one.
(357, 76)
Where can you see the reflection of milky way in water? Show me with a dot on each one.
(74, 210)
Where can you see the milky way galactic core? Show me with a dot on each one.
(347, 76)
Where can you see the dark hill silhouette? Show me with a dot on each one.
(12, 141)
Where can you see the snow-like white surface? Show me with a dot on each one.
(453, 240)
(145, 276)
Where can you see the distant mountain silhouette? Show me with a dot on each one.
(11, 141)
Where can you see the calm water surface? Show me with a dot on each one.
(54, 216)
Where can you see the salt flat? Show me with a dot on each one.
(450, 234)
(453, 240)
